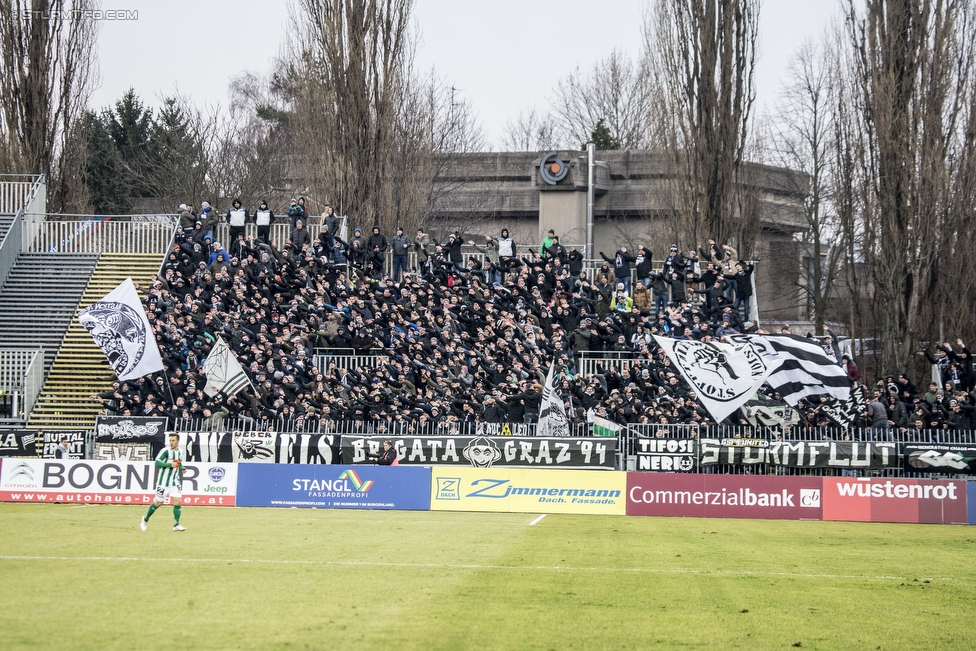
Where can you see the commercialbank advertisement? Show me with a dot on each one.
(512, 490)
(111, 482)
(333, 487)
(724, 496)
(868, 499)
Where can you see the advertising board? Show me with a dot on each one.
(333, 486)
(724, 496)
(111, 482)
(868, 499)
(527, 491)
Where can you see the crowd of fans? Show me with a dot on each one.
(458, 338)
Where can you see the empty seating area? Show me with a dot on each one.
(80, 368)
(39, 300)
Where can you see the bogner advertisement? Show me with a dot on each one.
(111, 482)
(724, 496)
(527, 491)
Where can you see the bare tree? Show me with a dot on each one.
(531, 131)
(912, 74)
(616, 91)
(47, 64)
(702, 56)
(347, 73)
(803, 132)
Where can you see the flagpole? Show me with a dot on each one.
(169, 389)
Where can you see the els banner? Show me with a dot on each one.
(724, 496)
(111, 482)
(504, 490)
(333, 486)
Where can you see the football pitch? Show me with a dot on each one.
(87, 577)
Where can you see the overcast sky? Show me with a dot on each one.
(503, 55)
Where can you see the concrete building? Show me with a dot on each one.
(484, 192)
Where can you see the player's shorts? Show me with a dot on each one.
(173, 492)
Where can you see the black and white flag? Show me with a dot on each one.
(804, 368)
(552, 414)
(844, 413)
(223, 371)
(723, 375)
(119, 326)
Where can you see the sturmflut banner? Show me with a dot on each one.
(486, 451)
(852, 455)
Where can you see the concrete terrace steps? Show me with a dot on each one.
(6, 219)
(80, 368)
(39, 299)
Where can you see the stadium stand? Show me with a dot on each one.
(40, 297)
(80, 368)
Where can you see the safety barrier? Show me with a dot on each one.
(21, 378)
(100, 235)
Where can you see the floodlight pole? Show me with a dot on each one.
(590, 155)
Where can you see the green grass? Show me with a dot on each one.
(86, 577)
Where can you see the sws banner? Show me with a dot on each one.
(949, 458)
(487, 451)
(18, 443)
(335, 487)
(517, 490)
(801, 454)
(724, 496)
(111, 482)
(76, 443)
(260, 447)
(665, 455)
(130, 438)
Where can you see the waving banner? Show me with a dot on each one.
(724, 376)
(119, 326)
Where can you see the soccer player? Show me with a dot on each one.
(169, 482)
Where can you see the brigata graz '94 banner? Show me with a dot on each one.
(800, 454)
(18, 443)
(954, 458)
(111, 482)
(486, 451)
(260, 447)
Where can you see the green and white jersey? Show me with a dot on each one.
(169, 476)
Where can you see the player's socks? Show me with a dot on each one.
(176, 515)
(152, 509)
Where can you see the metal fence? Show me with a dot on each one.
(346, 358)
(21, 377)
(628, 439)
(16, 191)
(98, 235)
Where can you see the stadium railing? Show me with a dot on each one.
(21, 377)
(149, 234)
(628, 439)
